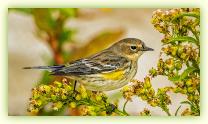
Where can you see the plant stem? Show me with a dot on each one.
(52, 40)
(120, 112)
(168, 113)
(124, 110)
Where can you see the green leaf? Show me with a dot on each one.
(195, 15)
(183, 39)
(175, 78)
(183, 75)
(187, 71)
(186, 102)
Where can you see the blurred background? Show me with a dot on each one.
(55, 36)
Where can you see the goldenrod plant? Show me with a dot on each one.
(180, 55)
(61, 95)
(179, 61)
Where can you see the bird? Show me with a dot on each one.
(109, 69)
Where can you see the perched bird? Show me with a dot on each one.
(107, 70)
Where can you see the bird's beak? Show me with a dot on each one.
(148, 49)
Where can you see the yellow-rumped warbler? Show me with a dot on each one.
(109, 69)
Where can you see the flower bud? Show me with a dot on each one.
(36, 94)
(53, 97)
(58, 84)
(98, 97)
(56, 90)
(180, 84)
(147, 83)
(169, 64)
(186, 112)
(189, 82)
(72, 105)
(196, 97)
(177, 90)
(184, 91)
(190, 89)
(38, 102)
(125, 88)
(166, 50)
(63, 97)
(160, 63)
(180, 50)
(78, 97)
(91, 108)
(153, 72)
(143, 97)
(34, 110)
(84, 95)
(145, 112)
(190, 98)
(68, 88)
(57, 105)
(178, 65)
(184, 56)
(174, 50)
(152, 103)
(142, 91)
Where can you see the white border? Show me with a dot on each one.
(5, 119)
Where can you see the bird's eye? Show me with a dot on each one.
(133, 48)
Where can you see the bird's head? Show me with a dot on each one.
(131, 48)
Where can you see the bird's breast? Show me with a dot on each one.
(110, 80)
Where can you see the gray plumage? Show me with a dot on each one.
(99, 63)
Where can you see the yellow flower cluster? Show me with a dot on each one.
(175, 22)
(61, 95)
(145, 91)
(145, 112)
(181, 48)
(179, 61)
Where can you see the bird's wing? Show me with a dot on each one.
(99, 63)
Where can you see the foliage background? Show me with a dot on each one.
(26, 48)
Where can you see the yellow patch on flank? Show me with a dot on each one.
(115, 75)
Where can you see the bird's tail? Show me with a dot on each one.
(49, 68)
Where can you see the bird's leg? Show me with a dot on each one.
(74, 91)
(75, 83)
